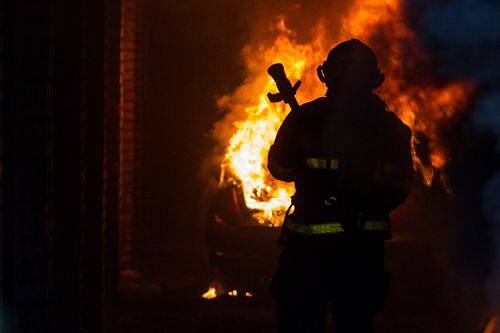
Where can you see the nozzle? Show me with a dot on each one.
(277, 72)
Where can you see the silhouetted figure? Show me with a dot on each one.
(351, 163)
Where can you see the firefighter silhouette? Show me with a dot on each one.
(350, 160)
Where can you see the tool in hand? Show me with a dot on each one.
(286, 90)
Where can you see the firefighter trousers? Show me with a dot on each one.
(346, 274)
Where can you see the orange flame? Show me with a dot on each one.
(253, 121)
(423, 108)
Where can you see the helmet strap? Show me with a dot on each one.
(321, 72)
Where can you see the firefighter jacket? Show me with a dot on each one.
(351, 165)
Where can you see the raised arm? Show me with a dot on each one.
(282, 157)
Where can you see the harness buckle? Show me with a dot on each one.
(330, 200)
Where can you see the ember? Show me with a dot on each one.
(253, 121)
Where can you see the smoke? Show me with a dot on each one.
(491, 208)
(464, 36)
(487, 115)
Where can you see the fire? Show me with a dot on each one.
(246, 156)
(425, 108)
(211, 293)
(253, 121)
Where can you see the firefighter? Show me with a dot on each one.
(350, 160)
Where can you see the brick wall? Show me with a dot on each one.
(131, 123)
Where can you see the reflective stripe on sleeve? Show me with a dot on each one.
(334, 227)
(322, 163)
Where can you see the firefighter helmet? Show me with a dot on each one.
(353, 61)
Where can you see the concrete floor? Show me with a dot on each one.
(428, 294)
(423, 298)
